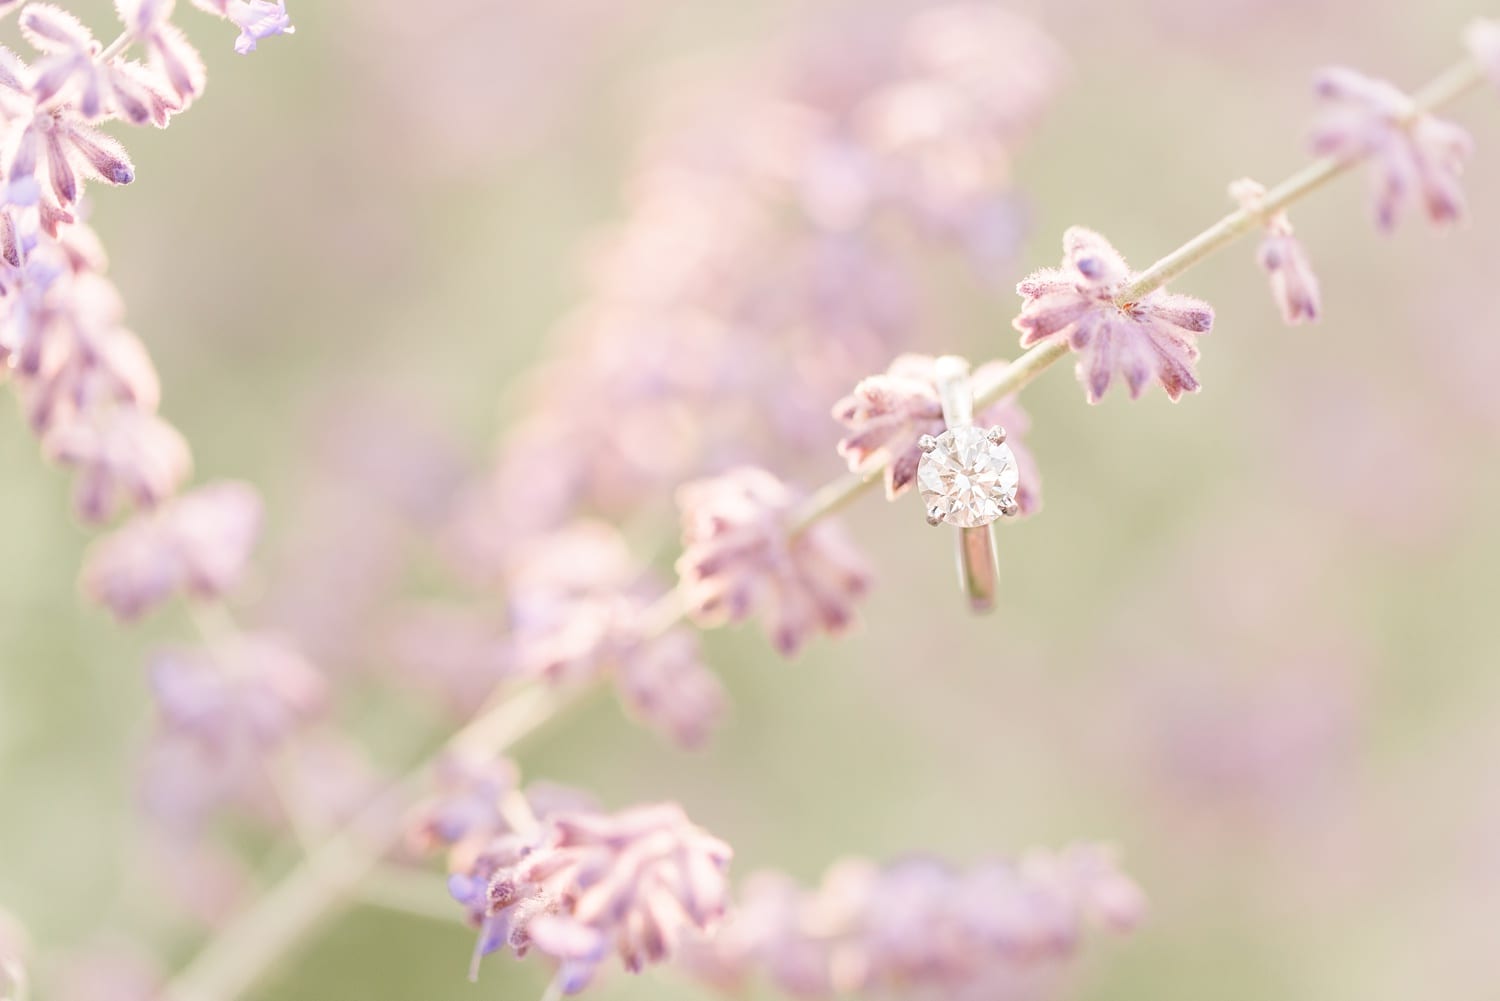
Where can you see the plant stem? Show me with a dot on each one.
(246, 950)
(114, 48)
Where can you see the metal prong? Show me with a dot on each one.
(996, 435)
(1011, 510)
(927, 443)
(934, 515)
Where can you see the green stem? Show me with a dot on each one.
(1451, 85)
(246, 950)
(114, 48)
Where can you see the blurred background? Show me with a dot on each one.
(1250, 640)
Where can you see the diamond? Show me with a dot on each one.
(967, 478)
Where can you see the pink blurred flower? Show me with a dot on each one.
(969, 82)
(207, 881)
(13, 949)
(920, 927)
(1153, 338)
(122, 456)
(742, 557)
(328, 781)
(761, 230)
(458, 654)
(660, 679)
(664, 683)
(1412, 155)
(223, 713)
(1483, 40)
(633, 883)
(198, 544)
(580, 610)
(1294, 286)
(886, 414)
(63, 333)
(108, 974)
(1256, 750)
(250, 691)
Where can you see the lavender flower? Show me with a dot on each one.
(886, 415)
(63, 334)
(66, 68)
(466, 805)
(122, 456)
(633, 883)
(251, 691)
(223, 713)
(581, 610)
(198, 544)
(664, 684)
(741, 558)
(1294, 286)
(660, 679)
(1483, 40)
(1154, 337)
(1412, 155)
(256, 19)
(173, 57)
(920, 927)
(67, 150)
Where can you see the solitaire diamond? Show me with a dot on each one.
(968, 476)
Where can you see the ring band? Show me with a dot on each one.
(978, 567)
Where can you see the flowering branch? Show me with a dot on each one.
(246, 948)
(1458, 80)
(238, 956)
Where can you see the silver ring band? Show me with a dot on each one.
(978, 568)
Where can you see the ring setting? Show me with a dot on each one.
(968, 477)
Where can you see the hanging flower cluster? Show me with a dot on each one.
(84, 380)
(546, 870)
